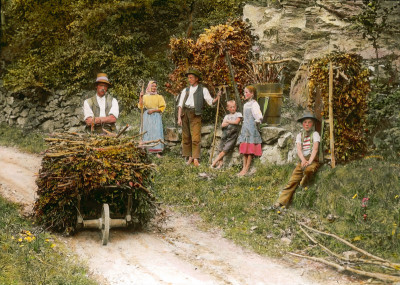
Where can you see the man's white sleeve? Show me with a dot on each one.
(114, 108)
(182, 97)
(87, 111)
(207, 96)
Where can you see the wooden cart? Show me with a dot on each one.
(104, 223)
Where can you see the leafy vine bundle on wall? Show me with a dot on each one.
(350, 89)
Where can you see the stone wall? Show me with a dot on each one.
(278, 144)
(54, 112)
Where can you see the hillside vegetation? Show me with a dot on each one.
(48, 45)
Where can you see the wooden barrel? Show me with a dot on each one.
(269, 97)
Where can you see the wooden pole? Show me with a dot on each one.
(232, 75)
(215, 130)
(141, 114)
(331, 138)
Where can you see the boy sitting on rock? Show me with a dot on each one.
(230, 131)
(307, 142)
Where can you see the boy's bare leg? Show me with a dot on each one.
(189, 161)
(219, 157)
(196, 162)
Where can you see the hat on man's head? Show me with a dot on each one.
(307, 115)
(102, 78)
(195, 72)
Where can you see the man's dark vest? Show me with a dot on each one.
(94, 105)
(198, 99)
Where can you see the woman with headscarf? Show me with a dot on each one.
(154, 105)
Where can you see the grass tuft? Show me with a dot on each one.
(32, 142)
(30, 256)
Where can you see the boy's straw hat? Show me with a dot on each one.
(307, 115)
(195, 72)
(102, 78)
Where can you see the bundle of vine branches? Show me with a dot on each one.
(94, 170)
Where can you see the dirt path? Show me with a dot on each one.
(178, 253)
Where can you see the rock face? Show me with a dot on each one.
(303, 30)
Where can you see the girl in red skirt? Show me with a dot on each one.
(250, 138)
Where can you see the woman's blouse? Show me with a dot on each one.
(155, 101)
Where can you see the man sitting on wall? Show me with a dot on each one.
(101, 111)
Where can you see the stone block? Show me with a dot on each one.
(172, 134)
(207, 129)
(8, 110)
(284, 139)
(48, 126)
(206, 140)
(79, 112)
(74, 121)
(272, 154)
(22, 121)
(10, 100)
(24, 113)
(270, 135)
(79, 129)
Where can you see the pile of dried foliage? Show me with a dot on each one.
(97, 169)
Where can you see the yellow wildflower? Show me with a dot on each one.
(53, 245)
(20, 239)
(355, 196)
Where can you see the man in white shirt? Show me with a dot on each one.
(190, 108)
(101, 110)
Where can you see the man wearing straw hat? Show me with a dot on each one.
(101, 111)
(190, 108)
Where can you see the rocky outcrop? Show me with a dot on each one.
(303, 30)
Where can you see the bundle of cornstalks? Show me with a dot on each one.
(93, 170)
(266, 71)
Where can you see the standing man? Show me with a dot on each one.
(190, 108)
(101, 110)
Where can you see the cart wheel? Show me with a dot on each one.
(105, 223)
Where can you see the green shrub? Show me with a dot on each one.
(384, 121)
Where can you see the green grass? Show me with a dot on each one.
(239, 205)
(27, 141)
(30, 256)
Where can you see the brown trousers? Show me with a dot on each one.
(191, 133)
(300, 177)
